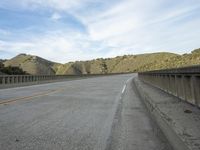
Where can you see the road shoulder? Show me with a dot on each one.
(132, 128)
(179, 120)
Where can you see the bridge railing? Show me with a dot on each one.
(18, 79)
(180, 82)
(21, 80)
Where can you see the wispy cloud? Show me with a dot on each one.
(57, 46)
(56, 16)
(65, 30)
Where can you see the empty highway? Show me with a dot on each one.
(100, 113)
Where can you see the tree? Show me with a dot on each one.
(1, 65)
(12, 70)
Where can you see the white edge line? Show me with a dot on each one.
(124, 88)
(128, 80)
(126, 85)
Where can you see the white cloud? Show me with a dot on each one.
(56, 16)
(56, 46)
(127, 26)
(145, 26)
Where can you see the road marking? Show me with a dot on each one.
(129, 80)
(123, 88)
(31, 96)
(126, 84)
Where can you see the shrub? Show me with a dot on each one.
(12, 70)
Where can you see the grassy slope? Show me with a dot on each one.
(135, 63)
(192, 58)
(127, 63)
(32, 64)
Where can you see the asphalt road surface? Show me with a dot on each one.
(99, 113)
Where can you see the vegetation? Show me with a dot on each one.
(32, 64)
(127, 63)
(12, 71)
(1, 65)
(184, 60)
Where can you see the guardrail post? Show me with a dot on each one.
(188, 89)
(17, 79)
(23, 79)
(7, 80)
(20, 79)
(179, 86)
(196, 85)
(3, 80)
(172, 84)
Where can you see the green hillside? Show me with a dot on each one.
(120, 64)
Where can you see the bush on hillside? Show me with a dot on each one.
(196, 51)
(1, 65)
(12, 70)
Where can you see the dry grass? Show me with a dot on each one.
(127, 63)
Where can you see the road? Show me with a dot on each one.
(99, 113)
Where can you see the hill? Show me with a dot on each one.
(184, 60)
(127, 63)
(32, 64)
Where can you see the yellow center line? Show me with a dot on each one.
(31, 96)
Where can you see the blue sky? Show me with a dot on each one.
(69, 30)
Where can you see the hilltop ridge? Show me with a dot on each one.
(32, 64)
(121, 64)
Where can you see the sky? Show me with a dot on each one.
(70, 30)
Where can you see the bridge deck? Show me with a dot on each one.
(79, 114)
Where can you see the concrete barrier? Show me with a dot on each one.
(19, 79)
(180, 82)
(8, 81)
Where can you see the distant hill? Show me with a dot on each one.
(127, 63)
(184, 60)
(32, 64)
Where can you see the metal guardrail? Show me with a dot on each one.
(180, 82)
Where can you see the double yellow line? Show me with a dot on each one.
(31, 96)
